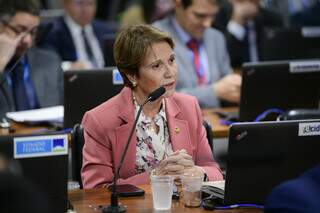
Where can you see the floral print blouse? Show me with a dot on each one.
(152, 147)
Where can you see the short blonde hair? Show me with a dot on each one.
(131, 46)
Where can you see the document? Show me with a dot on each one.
(49, 114)
(217, 184)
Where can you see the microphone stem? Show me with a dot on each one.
(114, 196)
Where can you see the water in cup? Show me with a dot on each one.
(162, 189)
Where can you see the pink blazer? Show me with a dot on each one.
(108, 126)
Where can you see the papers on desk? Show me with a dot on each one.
(49, 114)
(217, 184)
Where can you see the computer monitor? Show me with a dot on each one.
(43, 161)
(86, 89)
(290, 43)
(261, 155)
(280, 85)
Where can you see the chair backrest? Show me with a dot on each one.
(208, 128)
(78, 142)
(77, 145)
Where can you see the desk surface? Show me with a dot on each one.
(81, 199)
(209, 115)
(219, 130)
(19, 128)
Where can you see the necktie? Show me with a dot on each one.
(193, 45)
(88, 48)
(246, 46)
(18, 88)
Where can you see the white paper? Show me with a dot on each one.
(49, 114)
(218, 184)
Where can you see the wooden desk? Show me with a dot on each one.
(81, 199)
(219, 130)
(19, 128)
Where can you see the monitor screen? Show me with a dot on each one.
(43, 161)
(279, 85)
(290, 43)
(261, 155)
(86, 89)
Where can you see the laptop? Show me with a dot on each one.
(43, 161)
(86, 89)
(280, 43)
(278, 86)
(261, 155)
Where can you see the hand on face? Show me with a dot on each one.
(8, 46)
(228, 88)
(243, 11)
(175, 164)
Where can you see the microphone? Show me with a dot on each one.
(155, 95)
(114, 206)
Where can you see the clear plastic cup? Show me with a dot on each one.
(162, 189)
(191, 189)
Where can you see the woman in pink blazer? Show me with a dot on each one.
(169, 136)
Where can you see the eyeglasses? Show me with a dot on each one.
(21, 30)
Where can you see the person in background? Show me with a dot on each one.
(300, 195)
(202, 56)
(245, 30)
(169, 136)
(146, 12)
(30, 78)
(77, 37)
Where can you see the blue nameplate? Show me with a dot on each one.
(116, 77)
(40, 146)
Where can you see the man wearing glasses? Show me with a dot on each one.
(30, 78)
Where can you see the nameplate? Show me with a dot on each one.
(304, 66)
(310, 32)
(40, 146)
(309, 129)
(116, 77)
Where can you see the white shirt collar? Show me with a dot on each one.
(75, 27)
(184, 36)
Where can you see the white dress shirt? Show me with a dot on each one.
(77, 38)
(239, 32)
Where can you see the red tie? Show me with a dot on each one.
(193, 45)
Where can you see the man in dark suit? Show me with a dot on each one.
(77, 37)
(29, 77)
(244, 31)
(297, 195)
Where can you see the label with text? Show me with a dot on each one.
(40, 146)
(309, 129)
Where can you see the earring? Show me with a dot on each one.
(134, 84)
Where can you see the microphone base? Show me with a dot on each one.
(113, 209)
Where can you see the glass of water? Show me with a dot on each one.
(162, 189)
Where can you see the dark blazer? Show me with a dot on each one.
(237, 48)
(299, 195)
(46, 76)
(58, 38)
